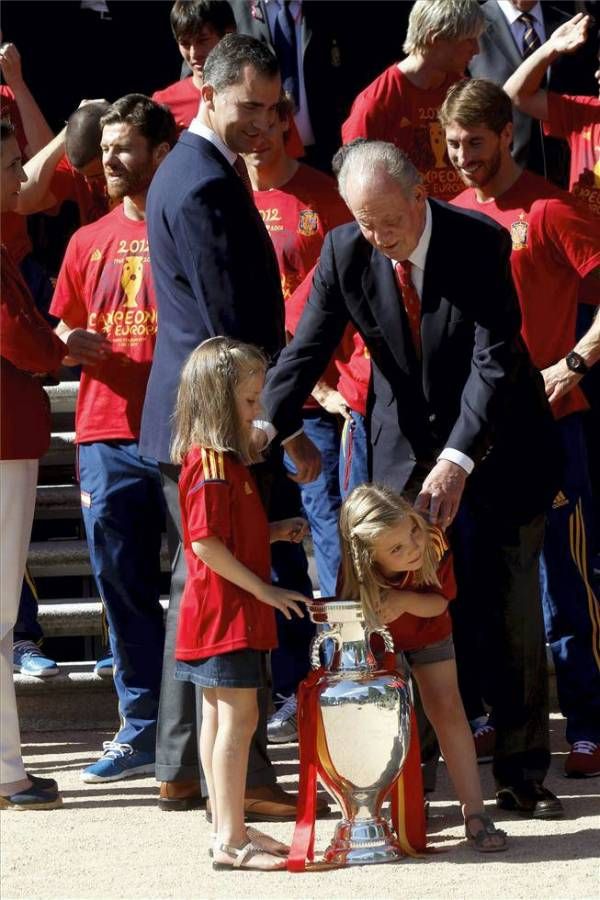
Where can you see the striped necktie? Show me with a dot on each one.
(531, 40)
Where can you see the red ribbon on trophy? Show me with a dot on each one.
(408, 813)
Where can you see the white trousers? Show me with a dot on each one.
(18, 479)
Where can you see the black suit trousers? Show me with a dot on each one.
(180, 706)
(499, 637)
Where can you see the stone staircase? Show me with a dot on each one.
(70, 612)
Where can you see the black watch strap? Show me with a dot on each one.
(576, 363)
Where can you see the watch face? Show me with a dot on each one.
(575, 363)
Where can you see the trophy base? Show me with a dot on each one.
(363, 843)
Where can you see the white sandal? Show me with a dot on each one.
(242, 855)
(259, 839)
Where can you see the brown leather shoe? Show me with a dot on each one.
(270, 803)
(179, 795)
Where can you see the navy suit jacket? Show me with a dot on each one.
(475, 390)
(214, 270)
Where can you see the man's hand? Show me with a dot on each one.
(293, 530)
(10, 63)
(306, 458)
(331, 401)
(86, 347)
(571, 36)
(441, 493)
(559, 380)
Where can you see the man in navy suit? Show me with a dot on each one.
(457, 411)
(215, 273)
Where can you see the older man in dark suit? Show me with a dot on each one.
(457, 410)
(215, 273)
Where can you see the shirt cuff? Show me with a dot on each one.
(291, 436)
(268, 428)
(461, 459)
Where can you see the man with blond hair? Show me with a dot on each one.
(401, 105)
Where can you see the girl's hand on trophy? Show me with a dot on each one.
(287, 602)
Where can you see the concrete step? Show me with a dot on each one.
(70, 617)
(47, 559)
(58, 501)
(63, 396)
(61, 451)
(73, 699)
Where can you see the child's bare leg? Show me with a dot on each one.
(208, 734)
(237, 712)
(438, 687)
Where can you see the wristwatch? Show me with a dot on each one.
(576, 363)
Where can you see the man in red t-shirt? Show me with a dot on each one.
(105, 299)
(299, 205)
(556, 243)
(402, 104)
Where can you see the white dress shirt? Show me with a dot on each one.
(418, 258)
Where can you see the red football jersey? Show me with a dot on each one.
(556, 243)
(105, 284)
(392, 109)
(219, 498)
(577, 120)
(414, 632)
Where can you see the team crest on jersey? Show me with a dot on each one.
(519, 231)
(308, 222)
(96, 256)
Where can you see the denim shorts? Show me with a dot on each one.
(432, 653)
(238, 669)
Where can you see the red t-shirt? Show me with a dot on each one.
(392, 109)
(219, 498)
(15, 236)
(28, 346)
(577, 120)
(556, 243)
(183, 99)
(90, 196)
(352, 361)
(414, 632)
(105, 284)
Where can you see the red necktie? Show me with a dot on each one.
(412, 304)
(240, 167)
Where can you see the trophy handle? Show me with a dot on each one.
(318, 640)
(382, 631)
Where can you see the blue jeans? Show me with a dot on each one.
(321, 498)
(354, 462)
(123, 513)
(571, 606)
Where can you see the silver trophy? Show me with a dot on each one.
(365, 713)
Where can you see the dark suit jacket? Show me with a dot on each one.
(214, 269)
(476, 389)
(333, 40)
(497, 59)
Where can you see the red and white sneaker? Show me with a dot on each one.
(583, 761)
(484, 739)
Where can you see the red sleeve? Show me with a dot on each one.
(26, 339)
(445, 570)
(294, 306)
(569, 114)
(574, 232)
(68, 302)
(207, 506)
(62, 185)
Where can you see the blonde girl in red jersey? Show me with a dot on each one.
(226, 620)
(400, 569)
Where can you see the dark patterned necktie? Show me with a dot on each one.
(531, 40)
(240, 167)
(286, 50)
(411, 301)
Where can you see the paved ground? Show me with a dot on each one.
(111, 841)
